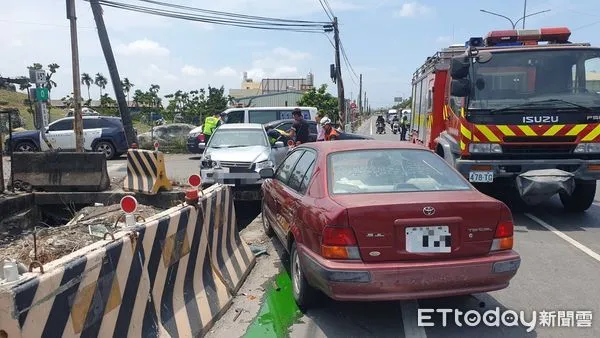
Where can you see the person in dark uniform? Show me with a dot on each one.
(299, 131)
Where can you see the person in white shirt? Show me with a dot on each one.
(320, 130)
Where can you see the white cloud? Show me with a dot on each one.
(279, 62)
(143, 47)
(443, 39)
(226, 71)
(204, 25)
(411, 9)
(192, 71)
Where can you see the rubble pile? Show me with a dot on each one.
(87, 226)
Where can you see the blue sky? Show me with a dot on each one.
(385, 40)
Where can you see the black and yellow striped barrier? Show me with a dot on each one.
(146, 172)
(172, 276)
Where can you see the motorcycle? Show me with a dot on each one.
(381, 128)
(395, 127)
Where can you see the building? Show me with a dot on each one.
(249, 88)
(282, 99)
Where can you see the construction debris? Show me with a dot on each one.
(45, 244)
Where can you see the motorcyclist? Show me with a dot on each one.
(404, 128)
(380, 122)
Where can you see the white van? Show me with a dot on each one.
(260, 115)
(264, 115)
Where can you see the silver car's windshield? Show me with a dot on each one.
(561, 78)
(235, 138)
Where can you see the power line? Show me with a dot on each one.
(255, 24)
(236, 15)
(347, 59)
(325, 9)
(329, 8)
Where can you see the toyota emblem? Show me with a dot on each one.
(429, 211)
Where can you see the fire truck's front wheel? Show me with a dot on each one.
(581, 198)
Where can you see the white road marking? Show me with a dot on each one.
(371, 130)
(560, 234)
(409, 320)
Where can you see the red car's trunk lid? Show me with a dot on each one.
(406, 226)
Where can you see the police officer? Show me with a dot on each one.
(404, 128)
(210, 124)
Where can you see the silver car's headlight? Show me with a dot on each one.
(264, 164)
(485, 148)
(588, 148)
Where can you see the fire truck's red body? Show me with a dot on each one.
(530, 107)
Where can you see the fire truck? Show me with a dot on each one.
(516, 110)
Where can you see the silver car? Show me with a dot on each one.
(235, 154)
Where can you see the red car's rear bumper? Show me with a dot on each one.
(409, 280)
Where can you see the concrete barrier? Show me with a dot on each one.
(146, 172)
(156, 279)
(232, 256)
(60, 171)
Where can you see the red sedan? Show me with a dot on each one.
(376, 220)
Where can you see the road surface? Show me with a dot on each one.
(560, 271)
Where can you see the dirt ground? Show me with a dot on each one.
(52, 243)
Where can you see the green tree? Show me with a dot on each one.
(87, 81)
(326, 103)
(127, 85)
(216, 100)
(101, 82)
(49, 82)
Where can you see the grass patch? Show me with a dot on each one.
(16, 100)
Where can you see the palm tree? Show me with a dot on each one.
(87, 81)
(49, 82)
(127, 85)
(101, 82)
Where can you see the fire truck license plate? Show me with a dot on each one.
(481, 176)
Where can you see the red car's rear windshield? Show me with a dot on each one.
(389, 171)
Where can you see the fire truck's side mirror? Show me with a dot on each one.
(459, 67)
(460, 88)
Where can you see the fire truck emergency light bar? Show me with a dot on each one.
(527, 36)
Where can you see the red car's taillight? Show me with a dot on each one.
(201, 138)
(339, 243)
(503, 238)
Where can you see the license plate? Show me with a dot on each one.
(481, 176)
(434, 239)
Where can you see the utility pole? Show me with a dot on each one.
(114, 72)
(360, 102)
(78, 121)
(524, 13)
(338, 71)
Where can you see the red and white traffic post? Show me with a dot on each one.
(129, 205)
(191, 195)
(156, 145)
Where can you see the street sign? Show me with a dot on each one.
(41, 94)
(353, 105)
(38, 76)
(45, 116)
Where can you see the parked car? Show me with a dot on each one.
(234, 155)
(100, 134)
(248, 115)
(369, 221)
